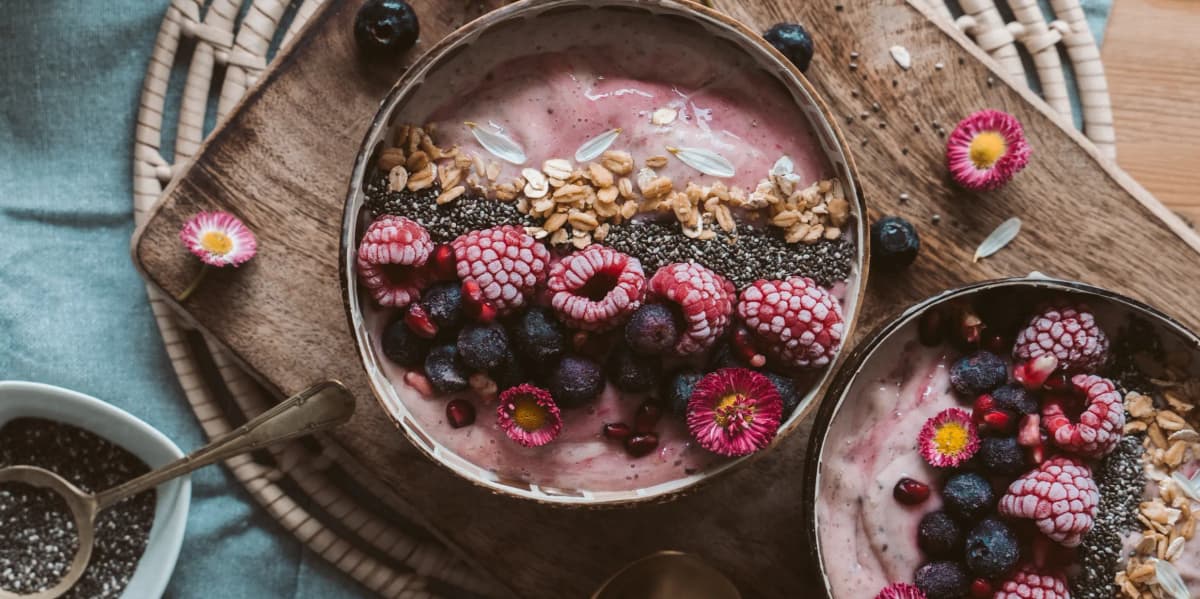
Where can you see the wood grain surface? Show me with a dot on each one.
(283, 160)
(1150, 54)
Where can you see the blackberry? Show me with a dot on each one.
(787, 391)
(445, 370)
(793, 41)
(652, 329)
(539, 337)
(402, 346)
(575, 381)
(631, 372)
(968, 496)
(1015, 399)
(894, 242)
(483, 346)
(385, 28)
(943, 580)
(1002, 455)
(678, 390)
(939, 535)
(992, 549)
(443, 304)
(978, 373)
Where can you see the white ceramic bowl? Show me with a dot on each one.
(34, 400)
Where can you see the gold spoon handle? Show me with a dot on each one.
(316, 408)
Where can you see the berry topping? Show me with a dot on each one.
(939, 535)
(793, 41)
(385, 28)
(1089, 422)
(734, 412)
(704, 300)
(443, 303)
(505, 262)
(631, 372)
(948, 439)
(992, 549)
(641, 444)
(942, 580)
(652, 329)
(1031, 584)
(529, 415)
(787, 391)
(1032, 374)
(679, 390)
(420, 323)
(742, 343)
(1015, 399)
(445, 369)
(900, 590)
(402, 346)
(475, 305)
(978, 373)
(1059, 495)
(910, 492)
(968, 496)
(442, 266)
(597, 288)
(483, 346)
(617, 430)
(460, 413)
(576, 381)
(1069, 333)
(894, 242)
(981, 588)
(986, 150)
(539, 337)
(796, 321)
(1002, 455)
(390, 255)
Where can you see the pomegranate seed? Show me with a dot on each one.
(985, 403)
(420, 323)
(931, 329)
(617, 431)
(641, 444)
(1058, 382)
(910, 492)
(474, 305)
(460, 413)
(996, 344)
(442, 263)
(999, 421)
(1033, 373)
(1029, 432)
(743, 344)
(970, 327)
(981, 588)
(646, 418)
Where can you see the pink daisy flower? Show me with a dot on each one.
(529, 415)
(948, 439)
(734, 412)
(986, 149)
(219, 239)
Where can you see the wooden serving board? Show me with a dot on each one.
(282, 162)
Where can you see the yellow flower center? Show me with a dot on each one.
(528, 414)
(216, 242)
(951, 438)
(987, 148)
(731, 407)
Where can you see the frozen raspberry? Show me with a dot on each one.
(506, 262)
(1101, 421)
(1059, 495)
(389, 259)
(597, 288)
(796, 321)
(704, 299)
(1069, 333)
(1032, 584)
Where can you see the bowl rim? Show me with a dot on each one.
(857, 360)
(704, 17)
(173, 498)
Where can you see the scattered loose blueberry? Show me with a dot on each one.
(539, 337)
(1002, 455)
(968, 496)
(793, 41)
(631, 372)
(652, 329)
(978, 373)
(445, 370)
(483, 347)
(992, 549)
(942, 580)
(402, 346)
(939, 535)
(679, 390)
(575, 381)
(910, 492)
(641, 444)
(460, 413)
(894, 242)
(385, 28)
(443, 303)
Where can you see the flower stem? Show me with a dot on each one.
(195, 284)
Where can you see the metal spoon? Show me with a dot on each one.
(316, 408)
(667, 575)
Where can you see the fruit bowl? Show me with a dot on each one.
(433, 113)
(889, 485)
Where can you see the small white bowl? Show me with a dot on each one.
(20, 399)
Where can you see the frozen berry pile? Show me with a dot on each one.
(1014, 465)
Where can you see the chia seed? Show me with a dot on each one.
(753, 254)
(38, 536)
(447, 221)
(1121, 481)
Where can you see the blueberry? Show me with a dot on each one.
(943, 580)
(978, 373)
(894, 242)
(385, 28)
(793, 41)
(968, 496)
(1015, 399)
(787, 392)
(508, 374)
(678, 390)
(575, 381)
(402, 346)
(443, 303)
(631, 372)
(539, 337)
(445, 369)
(483, 346)
(992, 549)
(652, 329)
(726, 357)
(1002, 455)
(939, 536)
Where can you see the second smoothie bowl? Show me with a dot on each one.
(596, 252)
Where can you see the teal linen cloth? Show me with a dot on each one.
(73, 311)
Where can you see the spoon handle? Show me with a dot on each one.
(316, 408)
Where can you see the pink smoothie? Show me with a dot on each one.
(868, 539)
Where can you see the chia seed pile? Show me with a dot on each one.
(750, 255)
(1121, 481)
(37, 534)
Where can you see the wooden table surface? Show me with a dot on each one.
(1150, 53)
